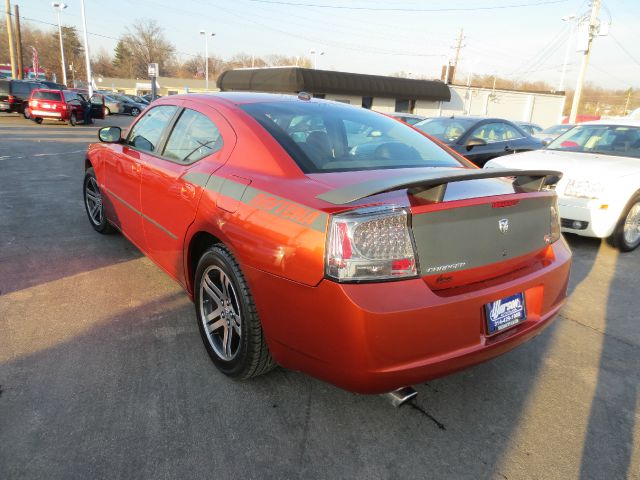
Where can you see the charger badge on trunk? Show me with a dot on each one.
(503, 225)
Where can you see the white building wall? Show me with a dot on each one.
(543, 109)
(350, 99)
(426, 108)
(386, 105)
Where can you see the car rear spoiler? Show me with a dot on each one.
(432, 186)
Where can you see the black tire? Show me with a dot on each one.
(135, 112)
(107, 111)
(249, 355)
(90, 186)
(38, 120)
(619, 239)
(25, 112)
(72, 119)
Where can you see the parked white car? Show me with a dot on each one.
(599, 193)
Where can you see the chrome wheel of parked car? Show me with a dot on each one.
(632, 226)
(135, 112)
(220, 312)
(107, 110)
(227, 317)
(94, 204)
(72, 119)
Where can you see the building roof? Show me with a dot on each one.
(296, 79)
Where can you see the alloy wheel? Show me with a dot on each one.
(631, 229)
(220, 313)
(93, 200)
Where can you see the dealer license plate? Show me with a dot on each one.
(505, 313)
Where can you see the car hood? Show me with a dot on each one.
(571, 164)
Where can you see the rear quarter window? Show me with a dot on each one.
(51, 96)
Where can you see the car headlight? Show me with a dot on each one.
(583, 189)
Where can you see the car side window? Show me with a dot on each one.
(146, 133)
(496, 132)
(194, 137)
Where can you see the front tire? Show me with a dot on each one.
(227, 317)
(135, 112)
(626, 236)
(93, 203)
(72, 119)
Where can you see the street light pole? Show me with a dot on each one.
(568, 18)
(59, 7)
(315, 54)
(86, 51)
(206, 56)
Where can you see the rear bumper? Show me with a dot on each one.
(372, 338)
(48, 114)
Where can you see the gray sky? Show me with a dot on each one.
(381, 36)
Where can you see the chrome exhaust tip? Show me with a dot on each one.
(400, 396)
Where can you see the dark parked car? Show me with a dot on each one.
(129, 107)
(53, 85)
(137, 99)
(529, 127)
(479, 139)
(148, 98)
(14, 95)
(409, 118)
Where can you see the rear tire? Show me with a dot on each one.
(93, 203)
(38, 120)
(135, 112)
(25, 113)
(72, 119)
(227, 317)
(626, 236)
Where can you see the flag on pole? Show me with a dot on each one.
(36, 63)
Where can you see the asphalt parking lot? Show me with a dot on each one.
(103, 374)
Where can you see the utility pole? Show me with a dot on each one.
(593, 31)
(12, 57)
(459, 45)
(18, 43)
(626, 105)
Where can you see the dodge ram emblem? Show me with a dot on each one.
(503, 225)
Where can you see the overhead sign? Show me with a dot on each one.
(153, 70)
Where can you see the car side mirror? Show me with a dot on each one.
(110, 134)
(474, 142)
(545, 142)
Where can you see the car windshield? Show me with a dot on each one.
(557, 129)
(329, 137)
(51, 96)
(448, 130)
(621, 140)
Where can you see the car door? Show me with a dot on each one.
(124, 170)
(97, 107)
(172, 183)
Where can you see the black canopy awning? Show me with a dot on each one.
(295, 79)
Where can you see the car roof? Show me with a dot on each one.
(240, 98)
(629, 122)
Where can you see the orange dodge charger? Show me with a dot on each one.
(331, 239)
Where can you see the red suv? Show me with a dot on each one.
(62, 105)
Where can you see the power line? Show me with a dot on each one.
(398, 9)
(635, 60)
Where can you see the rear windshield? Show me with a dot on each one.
(329, 137)
(51, 96)
(619, 140)
(448, 130)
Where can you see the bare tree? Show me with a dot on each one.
(146, 43)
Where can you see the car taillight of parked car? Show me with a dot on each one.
(33, 103)
(370, 244)
(554, 234)
(11, 99)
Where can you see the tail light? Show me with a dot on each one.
(554, 234)
(33, 103)
(63, 106)
(11, 99)
(370, 244)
